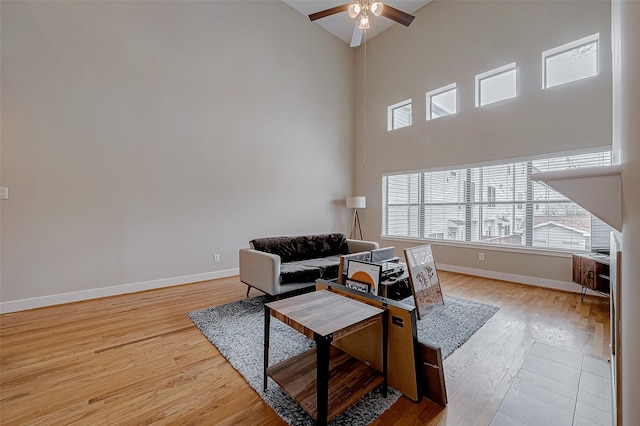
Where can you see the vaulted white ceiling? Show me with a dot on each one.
(341, 25)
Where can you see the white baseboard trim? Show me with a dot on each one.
(77, 296)
(515, 278)
(95, 293)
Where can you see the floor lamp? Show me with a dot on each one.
(356, 203)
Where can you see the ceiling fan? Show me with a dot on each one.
(360, 10)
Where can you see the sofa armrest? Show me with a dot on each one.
(260, 270)
(356, 246)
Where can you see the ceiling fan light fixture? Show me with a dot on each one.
(359, 11)
(364, 22)
(354, 9)
(376, 8)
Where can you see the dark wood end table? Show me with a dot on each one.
(337, 377)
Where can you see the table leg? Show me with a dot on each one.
(267, 322)
(323, 344)
(385, 351)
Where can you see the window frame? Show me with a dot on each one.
(431, 94)
(494, 73)
(559, 50)
(390, 115)
(491, 196)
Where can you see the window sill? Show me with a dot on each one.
(484, 247)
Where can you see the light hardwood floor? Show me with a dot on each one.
(138, 358)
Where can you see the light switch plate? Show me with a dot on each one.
(4, 193)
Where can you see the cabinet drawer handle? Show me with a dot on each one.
(430, 365)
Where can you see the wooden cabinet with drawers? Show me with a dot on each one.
(591, 271)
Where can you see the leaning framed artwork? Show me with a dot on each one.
(364, 256)
(365, 273)
(425, 284)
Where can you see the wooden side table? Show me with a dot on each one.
(324, 380)
(591, 271)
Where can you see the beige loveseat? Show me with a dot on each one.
(277, 265)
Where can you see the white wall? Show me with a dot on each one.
(626, 131)
(140, 138)
(452, 41)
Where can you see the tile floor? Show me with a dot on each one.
(557, 387)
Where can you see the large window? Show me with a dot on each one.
(497, 204)
(570, 62)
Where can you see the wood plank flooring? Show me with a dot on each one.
(138, 358)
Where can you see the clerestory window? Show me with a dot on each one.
(442, 102)
(570, 62)
(496, 85)
(399, 115)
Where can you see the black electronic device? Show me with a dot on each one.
(391, 270)
(383, 255)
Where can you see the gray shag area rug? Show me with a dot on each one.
(237, 330)
(452, 325)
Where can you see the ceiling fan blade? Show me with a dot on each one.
(397, 15)
(329, 12)
(356, 38)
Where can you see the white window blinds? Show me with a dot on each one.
(496, 204)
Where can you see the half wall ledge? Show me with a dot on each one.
(596, 189)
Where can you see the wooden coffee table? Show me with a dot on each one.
(324, 380)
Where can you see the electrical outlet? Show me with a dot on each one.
(480, 256)
(216, 258)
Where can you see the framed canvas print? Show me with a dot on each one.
(365, 272)
(423, 276)
(356, 285)
(364, 256)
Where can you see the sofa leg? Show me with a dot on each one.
(248, 290)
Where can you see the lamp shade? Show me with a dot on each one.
(364, 21)
(354, 9)
(376, 8)
(356, 202)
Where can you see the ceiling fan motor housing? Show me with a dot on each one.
(363, 6)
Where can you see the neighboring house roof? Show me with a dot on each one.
(582, 223)
(560, 225)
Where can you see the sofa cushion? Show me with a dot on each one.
(293, 272)
(309, 270)
(328, 266)
(291, 249)
(316, 246)
(284, 247)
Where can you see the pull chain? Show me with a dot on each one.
(364, 107)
